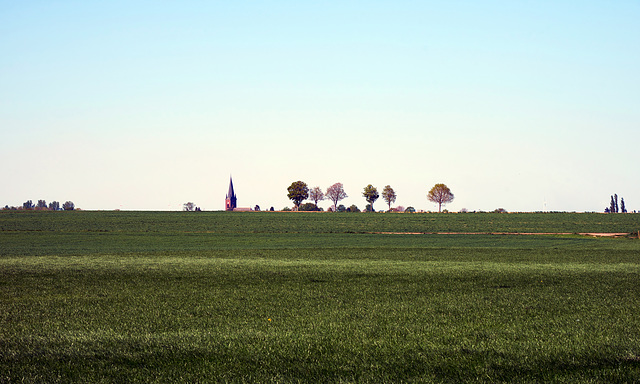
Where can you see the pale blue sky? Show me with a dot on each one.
(147, 104)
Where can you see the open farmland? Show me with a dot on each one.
(317, 297)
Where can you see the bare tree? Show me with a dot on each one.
(389, 195)
(440, 194)
(335, 193)
(188, 207)
(315, 195)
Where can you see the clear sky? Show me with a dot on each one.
(146, 105)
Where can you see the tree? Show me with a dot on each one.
(440, 194)
(68, 206)
(370, 194)
(623, 208)
(410, 210)
(298, 191)
(389, 195)
(615, 196)
(28, 205)
(315, 195)
(335, 193)
(54, 206)
(41, 204)
(612, 205)
(353, 208)
(188, 207)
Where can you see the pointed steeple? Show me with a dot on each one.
(230, 201)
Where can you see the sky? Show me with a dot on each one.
(147, 105)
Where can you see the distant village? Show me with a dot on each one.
(299, 191)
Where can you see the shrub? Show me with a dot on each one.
(308, 207)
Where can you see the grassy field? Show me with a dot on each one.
(317, 297)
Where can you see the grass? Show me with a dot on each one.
(93, 299)
(313, 223)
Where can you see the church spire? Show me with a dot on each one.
(230, 201)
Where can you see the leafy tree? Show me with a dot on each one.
(54, 206)
(440, 194)
(353, 208)
(410, 210)
(335, 193)
(41, 204)
(28, 205)
(68, 206)
(370, 193)
(341, 208)
(256, 208)
(315, 195)
(298, 191)
(188, 207)
(389, 195)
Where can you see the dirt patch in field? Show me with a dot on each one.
(600, 234)
(612, 234)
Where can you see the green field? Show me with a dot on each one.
(317, 297)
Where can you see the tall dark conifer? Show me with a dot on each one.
(615, 196)
(612, 206)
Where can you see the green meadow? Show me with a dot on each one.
(111, 297)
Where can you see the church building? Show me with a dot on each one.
(230, 202)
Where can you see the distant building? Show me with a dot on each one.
(230, 202)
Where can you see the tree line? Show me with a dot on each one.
(299, 191)
(613, 205)
(42, 205)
